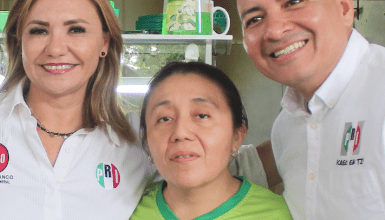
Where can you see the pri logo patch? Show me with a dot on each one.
(108, 176)
(4, 157)
(351, 140)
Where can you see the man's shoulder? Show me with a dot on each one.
(376, 56)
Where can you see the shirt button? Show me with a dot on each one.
(312, 176)
(314, 125)
(331, 103)
(68, 150)
(18, 107)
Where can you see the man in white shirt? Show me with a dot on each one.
(327, 141)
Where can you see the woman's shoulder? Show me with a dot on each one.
(147, 207)
(263, 192)
(264, 204)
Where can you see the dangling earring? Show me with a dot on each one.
(103, 54)
(150, 159)
(235, 154)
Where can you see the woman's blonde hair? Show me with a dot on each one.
(100, 105)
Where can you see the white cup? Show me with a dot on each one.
(217, 8)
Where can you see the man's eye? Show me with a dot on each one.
(202, 116)
(253, 21)
(77, 30)
(164, 119)
(38, 31)
(292, 2)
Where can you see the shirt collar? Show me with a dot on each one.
(332, 89)
(9, 100)
(113, 135)
(334, 86)
(294, 102)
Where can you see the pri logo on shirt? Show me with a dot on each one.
(351, 139)
(4, 157)
(108, 176)
(351, 144)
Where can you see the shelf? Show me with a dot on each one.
(173, 38)
(221, 44)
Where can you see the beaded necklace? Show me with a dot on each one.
(53, 134)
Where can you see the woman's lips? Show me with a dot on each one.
(58, 69)
(182, 157)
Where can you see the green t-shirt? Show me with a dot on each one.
(250, 202)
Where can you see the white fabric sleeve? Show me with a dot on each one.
(249, 165)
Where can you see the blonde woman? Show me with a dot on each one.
(67, 151)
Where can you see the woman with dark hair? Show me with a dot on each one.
(192, 122)
(66, 148)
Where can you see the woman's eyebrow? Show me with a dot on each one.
(69, 22)
(165, 102)
(39, 22)
(74, 21)
(204, 100)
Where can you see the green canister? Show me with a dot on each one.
(187, 17)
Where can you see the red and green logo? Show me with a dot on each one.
(4, 157)
(351, 139)
(108, 175)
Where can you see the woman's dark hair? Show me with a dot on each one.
(207, 71)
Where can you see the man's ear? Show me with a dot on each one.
(239, 136)
(347, 10)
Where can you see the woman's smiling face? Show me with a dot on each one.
(190, 132)
(61, 45)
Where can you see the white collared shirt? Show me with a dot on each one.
(332, 161)
(95, 176)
